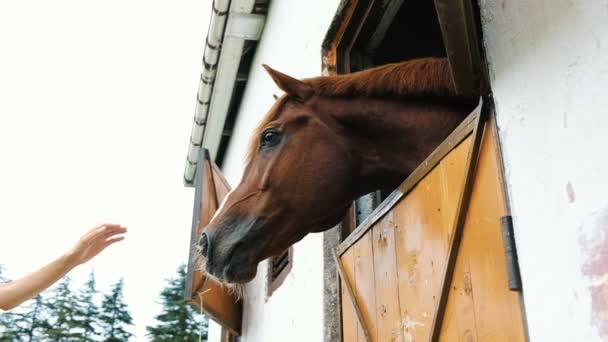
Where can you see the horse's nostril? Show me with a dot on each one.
(204, 244)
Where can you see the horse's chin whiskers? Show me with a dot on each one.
(236, 290)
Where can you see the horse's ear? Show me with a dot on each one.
(294, 88)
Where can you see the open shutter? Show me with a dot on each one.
(216, 301)
(460, 38)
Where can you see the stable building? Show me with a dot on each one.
(500, 235)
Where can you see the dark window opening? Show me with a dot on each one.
(414, 33)
(388, 32)
(278, 264)
(278, 268)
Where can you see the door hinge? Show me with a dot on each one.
(508, 240)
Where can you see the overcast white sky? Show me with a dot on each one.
(96, 103)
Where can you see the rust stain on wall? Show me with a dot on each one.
(595, 251)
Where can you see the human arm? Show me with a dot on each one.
(90, 245)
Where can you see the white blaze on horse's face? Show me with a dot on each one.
(219, 210)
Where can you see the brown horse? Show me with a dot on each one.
(324, 143)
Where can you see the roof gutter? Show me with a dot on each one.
(231, 24)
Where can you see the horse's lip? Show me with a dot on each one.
(245, 261)
(242, 277)
(229, 274)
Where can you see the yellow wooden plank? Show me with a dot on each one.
(452, 170)
(497, 309)
(350, 325)
(385, 271)
(365, 283)
(459, 315)
(461, 306)
(421, 251)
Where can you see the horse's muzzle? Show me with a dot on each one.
(229, 249)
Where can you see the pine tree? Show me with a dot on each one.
(34, 320)
(66, 314)
(90, 310)
(27, 323)
(114, 316)
(9, 332)
(178, 321)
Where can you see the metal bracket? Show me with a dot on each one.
(245, 25)
(508, 241)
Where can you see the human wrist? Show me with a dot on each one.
(70, 259)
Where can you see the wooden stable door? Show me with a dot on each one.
(404, 284)
(203, 292)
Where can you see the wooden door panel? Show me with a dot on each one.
(481, 264)
(349, 317)
(366, 284)
(201, 291)
(400, 258)
(385, 272)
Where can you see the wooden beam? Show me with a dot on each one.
(460, 38)
(459, 221)
(351, 295)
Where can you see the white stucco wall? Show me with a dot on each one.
(214, 333)
(549, 73)
(291, 43)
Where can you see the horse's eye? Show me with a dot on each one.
(270, 137)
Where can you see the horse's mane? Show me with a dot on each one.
(414, 78)
(425, 77)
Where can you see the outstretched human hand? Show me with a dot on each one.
(95, 241)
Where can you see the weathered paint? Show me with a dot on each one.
(549, 75)
(291, 42)
(594, 243)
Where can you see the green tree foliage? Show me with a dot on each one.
(178, 321)
(62, 314)
(114, 316)
(34, 321)
(87, 297)
(66, 314)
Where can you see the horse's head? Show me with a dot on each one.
(296, 181)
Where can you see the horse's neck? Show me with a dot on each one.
(390, 138)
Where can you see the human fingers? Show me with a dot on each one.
(113, 240)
